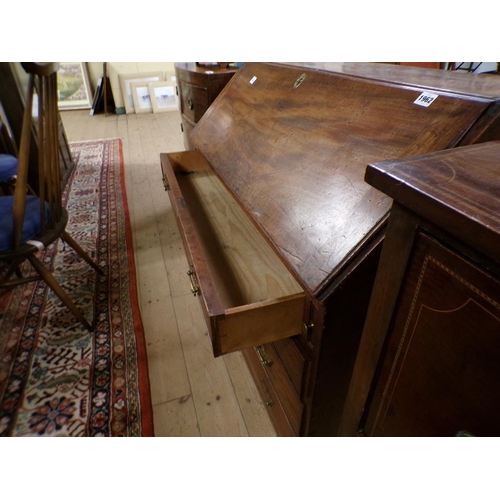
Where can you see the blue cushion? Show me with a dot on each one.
(32, 220)
(8, 167)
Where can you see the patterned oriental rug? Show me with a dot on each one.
(57, 379)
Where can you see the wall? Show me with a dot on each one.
(116, 68)
(477, 67)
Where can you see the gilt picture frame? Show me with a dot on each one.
(73, 86)
(126, 81)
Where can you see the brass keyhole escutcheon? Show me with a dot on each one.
(299, 80)
(190, 103)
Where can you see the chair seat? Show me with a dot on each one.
(32, 221)
(8, 167)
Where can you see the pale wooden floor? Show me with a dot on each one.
(193, 393)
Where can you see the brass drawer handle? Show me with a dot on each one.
(264, 358)
(166, 185)
(190, 103)
(195, 287)
(268, 400)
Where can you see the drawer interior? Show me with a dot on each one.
(252, 285)
(243, 266)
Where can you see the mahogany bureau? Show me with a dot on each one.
(282, 233)
(429, 358)
(197, 87)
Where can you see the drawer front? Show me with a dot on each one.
(247, 295)
(276, 390)
(252, 324)
(187, 128)
(281, 383)
(439, 374)
(194, 101)
(293, 362)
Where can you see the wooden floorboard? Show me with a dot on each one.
(193, 393)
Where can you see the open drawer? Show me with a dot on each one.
(247, 295)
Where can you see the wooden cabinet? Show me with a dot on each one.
(429, 358)
(198, 86)
(282, 233)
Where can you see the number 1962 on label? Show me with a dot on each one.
(425, 99)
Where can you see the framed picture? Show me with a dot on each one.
(73, 86)
(141, 98)
(126, 86)
(163, 96)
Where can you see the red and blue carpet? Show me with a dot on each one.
(57, 379)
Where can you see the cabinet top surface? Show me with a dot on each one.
(292, 145)
(203, 69)
(479, 84)
(458, 189)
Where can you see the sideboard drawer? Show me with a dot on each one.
(247, 295)
(194, 101)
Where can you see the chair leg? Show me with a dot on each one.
(14, 267)
(80, 251)
(51, 281)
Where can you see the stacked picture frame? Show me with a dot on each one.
(73, 86)
(152, 92)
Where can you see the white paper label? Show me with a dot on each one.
(252, 81)
(425, 99)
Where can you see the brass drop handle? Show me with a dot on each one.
(190, 103)
(264, 358)
(268, 400)
(166, 185)
(195, 287)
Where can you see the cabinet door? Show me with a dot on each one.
(439, 374)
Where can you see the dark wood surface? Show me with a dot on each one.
(198, 74)
(13, 88)
(295, 157)
(478, 84)
(458, 189)
(198, 87)
(428, 359)
(439, 374)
